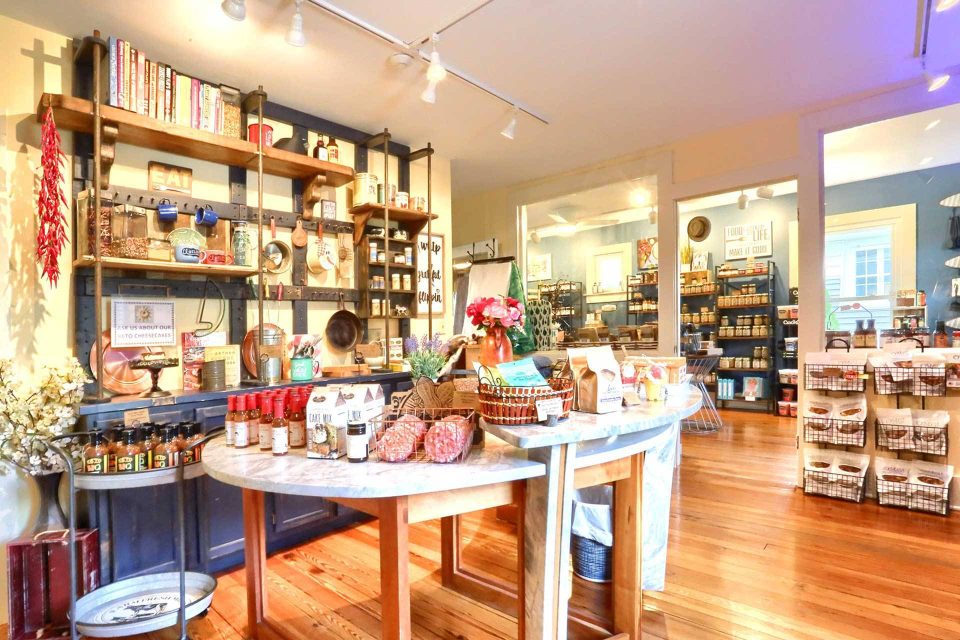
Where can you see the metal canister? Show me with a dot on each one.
(394, 280)
(407, 282)
(364, 188)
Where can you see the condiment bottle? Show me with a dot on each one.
(333, 150)
(241, 424)
(181, 441)
(228, 420)
(940, 337)
(112, 441)
(150, 440)
(358, 443)
(297, 423)
(95, 454)
(253, 418)
(320, 151)
(130, 455)
(858, 336)
(193, 436)
(280, 433)
(167, 453)
(870, 337)
(265, 423)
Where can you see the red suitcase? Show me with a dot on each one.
(38, 579)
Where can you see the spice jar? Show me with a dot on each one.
(408, 255)
(373, 252)
(395, 280)
(358, 443)
(242, 244)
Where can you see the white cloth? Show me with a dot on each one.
(593, 514)
(491, 279)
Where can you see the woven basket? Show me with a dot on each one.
(591, 560)
(518, 405)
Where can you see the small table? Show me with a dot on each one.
(708, 419)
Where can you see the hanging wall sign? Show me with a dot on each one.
(430, 287)
(138, 322)
(744, 241)
(168, 177)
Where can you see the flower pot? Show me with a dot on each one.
(495, 347)
(50, 516)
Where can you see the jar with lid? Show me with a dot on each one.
(373, 251)
(128, 232)
(375, 307)
(130, 455)
(394, 280)
(95, 454)
(358, 442)
(242, 244)
(858, 335)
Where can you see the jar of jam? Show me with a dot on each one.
(167, 453)
(95, 454)
(130, 454)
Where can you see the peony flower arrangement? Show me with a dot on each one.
(31, 414)
(426, 356)
(497, 311)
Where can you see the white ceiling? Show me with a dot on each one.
(613, 78)
(614, 203)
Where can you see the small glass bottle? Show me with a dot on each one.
(242, 244)
(358, 443)
(253, 418)
(183, 428)
(194, 435)
(228, 420)
(130, 455)
(858, 335)
(241, 436)
(941, 339)
(113, 439)
(150, 439)
(280, 433)
(333, 150)
(265, 423)
(297, 423)
(870, 334)
(167, 453)
(320, 150)
(95, 454)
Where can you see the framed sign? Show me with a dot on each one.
(168, 177)
(430, 287)
(744, 241)
(539, 267)
(136, 322)
(647, 253)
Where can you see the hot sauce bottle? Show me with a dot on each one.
(297, 423)
(167, 453)
(279, 432)
(228, 420)
(191, 434)
(265, 429)
(130, 455)
(333, 151)
(151, 439)
(95, 454)
(253, 417)
(112, 441)
(241, 438)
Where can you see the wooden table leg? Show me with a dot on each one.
(449, 550)
(394, 569)
(255, 559)
(628, 551)
(546, 543)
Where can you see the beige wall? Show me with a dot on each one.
(39, 323)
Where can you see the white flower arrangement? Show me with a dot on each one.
(32, 414)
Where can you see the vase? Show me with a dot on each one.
(495, 347)
(50, 516)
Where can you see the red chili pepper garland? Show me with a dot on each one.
(51, 230)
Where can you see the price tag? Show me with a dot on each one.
(136, 417)
(550, 406)
(750, 398)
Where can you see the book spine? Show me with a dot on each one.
(196, 104)
(134, 86)
(152, 93)
(174, 96)
(121, 91)
(219, 110)
(168, 89)
(112, 70)
(207, 107)
(142, 81)
(127, 98)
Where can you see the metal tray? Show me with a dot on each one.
(142, 604)
(132, 480)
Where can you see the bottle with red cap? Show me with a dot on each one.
(297, 422)
(241, 424)
(228, 420)
(280, 433)
(265, 422)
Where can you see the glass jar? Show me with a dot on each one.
(231, 111)
(128, 232)
(242, 244)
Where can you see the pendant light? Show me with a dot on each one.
(295, 37)
(510, 130)
(234, 9)
(765, 192)
(652, 216)
(742, 201)
(435, 73)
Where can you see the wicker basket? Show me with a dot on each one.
(591, 560)
(518, 405)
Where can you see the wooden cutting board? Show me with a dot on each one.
(346, 371)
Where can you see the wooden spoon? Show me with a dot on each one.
(299, 236)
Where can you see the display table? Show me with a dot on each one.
(496, 475)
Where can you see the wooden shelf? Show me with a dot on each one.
(744, 306)
(735, 369)
(393, 265)
(412, 221)
(766, 337)
(76, 114)
(392, 240)
(168, 267)
(762, 274)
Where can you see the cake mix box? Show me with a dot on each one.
(326, 424)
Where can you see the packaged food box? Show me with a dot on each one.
(326, 424)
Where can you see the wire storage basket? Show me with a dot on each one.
(834, 377)
(914, 496)
(834, 485)
(518, 405)
(423, 435)
(850, 433)
(932, 440)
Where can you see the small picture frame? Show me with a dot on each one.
(328, 209)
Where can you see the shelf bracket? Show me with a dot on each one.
(359, 226)
(108, 152)
(312, 194)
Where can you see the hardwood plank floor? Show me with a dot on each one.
(750, 557)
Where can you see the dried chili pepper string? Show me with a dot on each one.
(51, 201)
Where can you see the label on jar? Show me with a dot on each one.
(264, 436)
(229, 431)
(298, 433)
(241, 435)
(189, 456)
(357, 447)
(130, 462)
(96, 464)
(280, 439)
(164, 460)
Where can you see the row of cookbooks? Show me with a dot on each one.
(157, 90)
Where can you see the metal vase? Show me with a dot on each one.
(50, 516)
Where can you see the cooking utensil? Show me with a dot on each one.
(299, 236)
(343, 329)
(276, 256)
(248, 349)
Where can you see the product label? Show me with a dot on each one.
(298, 434)
(265, 437)
(229, 432)
(357, 447)
(161, 460)
(96, 464)
(279, 440)
(127, 463)
(241, 437)
(189, 456)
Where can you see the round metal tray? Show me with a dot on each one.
(142, 604)
(154, 477)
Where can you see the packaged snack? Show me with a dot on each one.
(817, 470)
(894, 429)
(851, 469)
(930, 375)
(817, 414)
(596, 376)
(930, 485)
(893, 477)
(930, 431)
(853, 407)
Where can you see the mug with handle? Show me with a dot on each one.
(166, 211)
(206, 216)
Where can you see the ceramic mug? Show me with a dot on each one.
(206, 216)
(166, 211)
(186, 253)
(215, 256)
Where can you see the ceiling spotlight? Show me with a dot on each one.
(933, 123)
(295, 37)
(640, 197)
(234, 9)
(652, 216)
(429, 94)
(765, 192)
(943, 5)
(742, 201)
(435, 73)
(400, 59)
(936, 80)
(511, 129)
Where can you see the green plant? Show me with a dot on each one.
(426, 356)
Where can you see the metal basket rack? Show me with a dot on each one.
(834, 485)
(428, 417)
(914, 496)
(933, 441)
(140, 604)
(916, 381)
(847, 433)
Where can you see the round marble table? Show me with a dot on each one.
(530, 465)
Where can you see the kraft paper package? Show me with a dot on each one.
(596, 379)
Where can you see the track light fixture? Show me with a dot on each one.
(765, 192)
(742, 201)
(435, 73)
(510, 130)
(295, 37)
(943, 5)
(235, 9)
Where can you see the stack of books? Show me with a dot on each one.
(156, 90)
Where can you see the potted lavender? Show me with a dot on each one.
(426, 356)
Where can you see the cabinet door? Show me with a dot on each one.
(220, 509)
(295, 512)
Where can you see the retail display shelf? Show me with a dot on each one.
(742, 276)
(761, 338)
(393, 265)
(743, 306)
(750, 370)
(132, 264)
(152, 478)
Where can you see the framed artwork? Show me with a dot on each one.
(700, 261)
(430, 286)
(646, 253)
(539, 267)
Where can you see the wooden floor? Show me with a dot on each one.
(750, 557)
